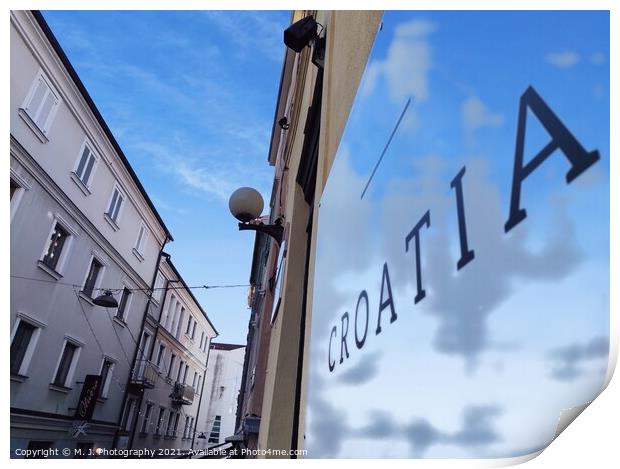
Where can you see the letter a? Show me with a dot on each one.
(561, 138)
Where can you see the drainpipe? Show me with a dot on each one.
(135, 356)
(201, 394)
(151, 351)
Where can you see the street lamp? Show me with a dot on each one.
(106, 300)
(246, 205)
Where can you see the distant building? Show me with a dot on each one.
(81, 223)
(221, 391)
(168, 392)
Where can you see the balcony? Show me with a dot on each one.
(144, 374)
(182, 394)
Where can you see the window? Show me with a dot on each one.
(123, 304)
(67, 362)
(214, 437)
(91, 279)
(169, 425)
(199, 388)
(185, 373)
(40, 106)
(180, 372)
(160, 420)
(186, 428)
(85, 165)
(128, 416)
(107, 368)
(115, 206)
(189, 325)
(160, 355)
(176, 424)
(140, 242)
(146, 421)
(18, 187)
(195, 378)
(159, 288)
(20, 345)
(202, 338)
(55, 246)
(84, 450)
(37, 449)
(172, 359)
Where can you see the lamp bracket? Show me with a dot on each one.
(276, 231)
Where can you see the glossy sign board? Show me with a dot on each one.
(461, 290)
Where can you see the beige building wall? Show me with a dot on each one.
(350, 35)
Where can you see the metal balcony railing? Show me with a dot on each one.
(145, 374)
(182, 394)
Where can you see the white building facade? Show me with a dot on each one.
(221, 391)
(169, 386)
(81, 223)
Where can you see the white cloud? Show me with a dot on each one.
(476, 114)
(407, 64)
(564, 59)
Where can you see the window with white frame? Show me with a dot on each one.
(129, 414)
(186, 428)
(158, 289)
(114, 208)
(202, 338)
(106, 373)
(180, 372)
(173, 357)
(141, 241)
(161, 353)
(18, 187)
(194, 330)
(55, 246)
(123, 305)
(169, 424)
(199, 386)
(146, 421)
(40, 106)
(92, 279)
(85, 166)
(66, 364)
(176, 424)
(160, 421)
(185, 373)
(23, 343)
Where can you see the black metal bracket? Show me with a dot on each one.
(276, 231)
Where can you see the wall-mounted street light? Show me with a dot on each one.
(246, 205)
(106, 300)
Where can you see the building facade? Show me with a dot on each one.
(316, 94)
(223, 381)
(81, 223)
(168, 393)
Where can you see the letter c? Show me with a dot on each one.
(331, 363)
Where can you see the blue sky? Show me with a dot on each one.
(190, 96)
(484, 365)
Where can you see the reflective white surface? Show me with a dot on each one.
(486, 359)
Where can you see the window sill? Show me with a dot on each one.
(63, 389)
(34, 127)
(48, 270)
(119, 321)
(86, 298)
(111, 222)
(78, 182)
(102, 400)
(19, 378)
(137, 254)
